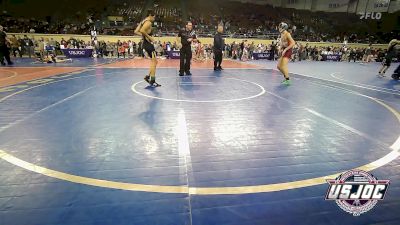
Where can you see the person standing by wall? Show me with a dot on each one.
(15, 46)
(273, 51)
(218, 48)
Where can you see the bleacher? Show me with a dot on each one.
(241, 20)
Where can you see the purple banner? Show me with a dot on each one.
(264, 55)
(173, 54)
(335, 57)
(78, 53)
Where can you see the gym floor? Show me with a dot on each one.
(88, 142)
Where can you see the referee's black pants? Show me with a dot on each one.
(4, 53)
(185, 57)
(217, 58)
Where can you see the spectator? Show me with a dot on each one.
(15, 46)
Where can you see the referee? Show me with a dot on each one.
(187, 36)
(218, 47)
(4, 51)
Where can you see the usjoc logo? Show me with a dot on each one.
(332, 57)
(356, 191)
(76, 52)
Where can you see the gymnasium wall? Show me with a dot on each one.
(330, 6)
(394, 6)
(351, 6)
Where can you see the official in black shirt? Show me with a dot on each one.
(218, 48)
(187, 36)
(273, 51)
(4, 49)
